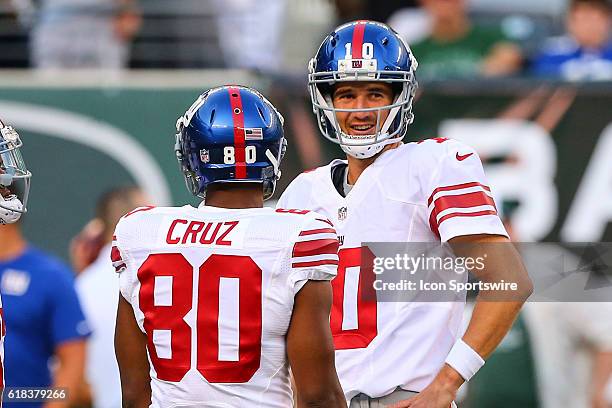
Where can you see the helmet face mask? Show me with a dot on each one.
(14, 176)
(231, 134)
(384, 58)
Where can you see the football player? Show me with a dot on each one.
(14, 189)
(229, 294)
(362, 84)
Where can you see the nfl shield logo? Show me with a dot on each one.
(342, 213)
(204, 156)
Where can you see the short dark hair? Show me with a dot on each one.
(605, 5)
(114, 203)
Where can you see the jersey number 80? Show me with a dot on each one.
(170, 318)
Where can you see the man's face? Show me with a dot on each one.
(361, 95)
(5, 192)
(444, 9)
(589, 24)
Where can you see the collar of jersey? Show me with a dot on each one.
(210, 208)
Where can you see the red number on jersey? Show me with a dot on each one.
(170, 318)
(366, 329)
(249, 357)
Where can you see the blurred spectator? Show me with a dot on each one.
(585, 52)
(381, 10)
(250, 33)
(84, 33)
(413, 24)
(458, 49)
(43, 319)
(85, 247)
(349, 10)
(98, 289)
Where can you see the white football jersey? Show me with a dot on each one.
(419, 192)
(213, 289)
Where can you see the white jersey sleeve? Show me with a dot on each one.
(122, 239)
(459, 199)
(298, 194)
(315, 253)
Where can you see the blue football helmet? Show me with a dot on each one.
(14, 176)
(231, 134)
(363, 51)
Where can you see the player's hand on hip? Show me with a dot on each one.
(433, 396)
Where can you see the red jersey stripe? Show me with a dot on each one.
(455, 187)
(115, 254)
(315, 247)
(357, 44)
(314, 263)
(463, 201)
(318, 231)
(474, 214)
(239, 143)
(139, 209)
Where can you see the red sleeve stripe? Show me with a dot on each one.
(462, 201)
(317, 247)
(318, 231)
(434, 222)
(115, 254)
(314, 263)
(472, 214)
(139, 209)
(315, 257)
(117, 260)
(454, 188)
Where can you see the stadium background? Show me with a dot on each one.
(546, 144)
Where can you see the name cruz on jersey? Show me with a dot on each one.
(418, 192)
(213, 289)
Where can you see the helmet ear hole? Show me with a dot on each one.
(261, 114)
(212, 116)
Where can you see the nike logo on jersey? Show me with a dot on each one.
(463, 157)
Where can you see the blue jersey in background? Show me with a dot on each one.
(42, 311)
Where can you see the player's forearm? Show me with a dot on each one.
(495, 310)
(136, 398)
(489, 324)
(70, 372)
(332, 399)
(602, 374)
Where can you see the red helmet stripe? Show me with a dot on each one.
(357, 44)
(239, 143)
